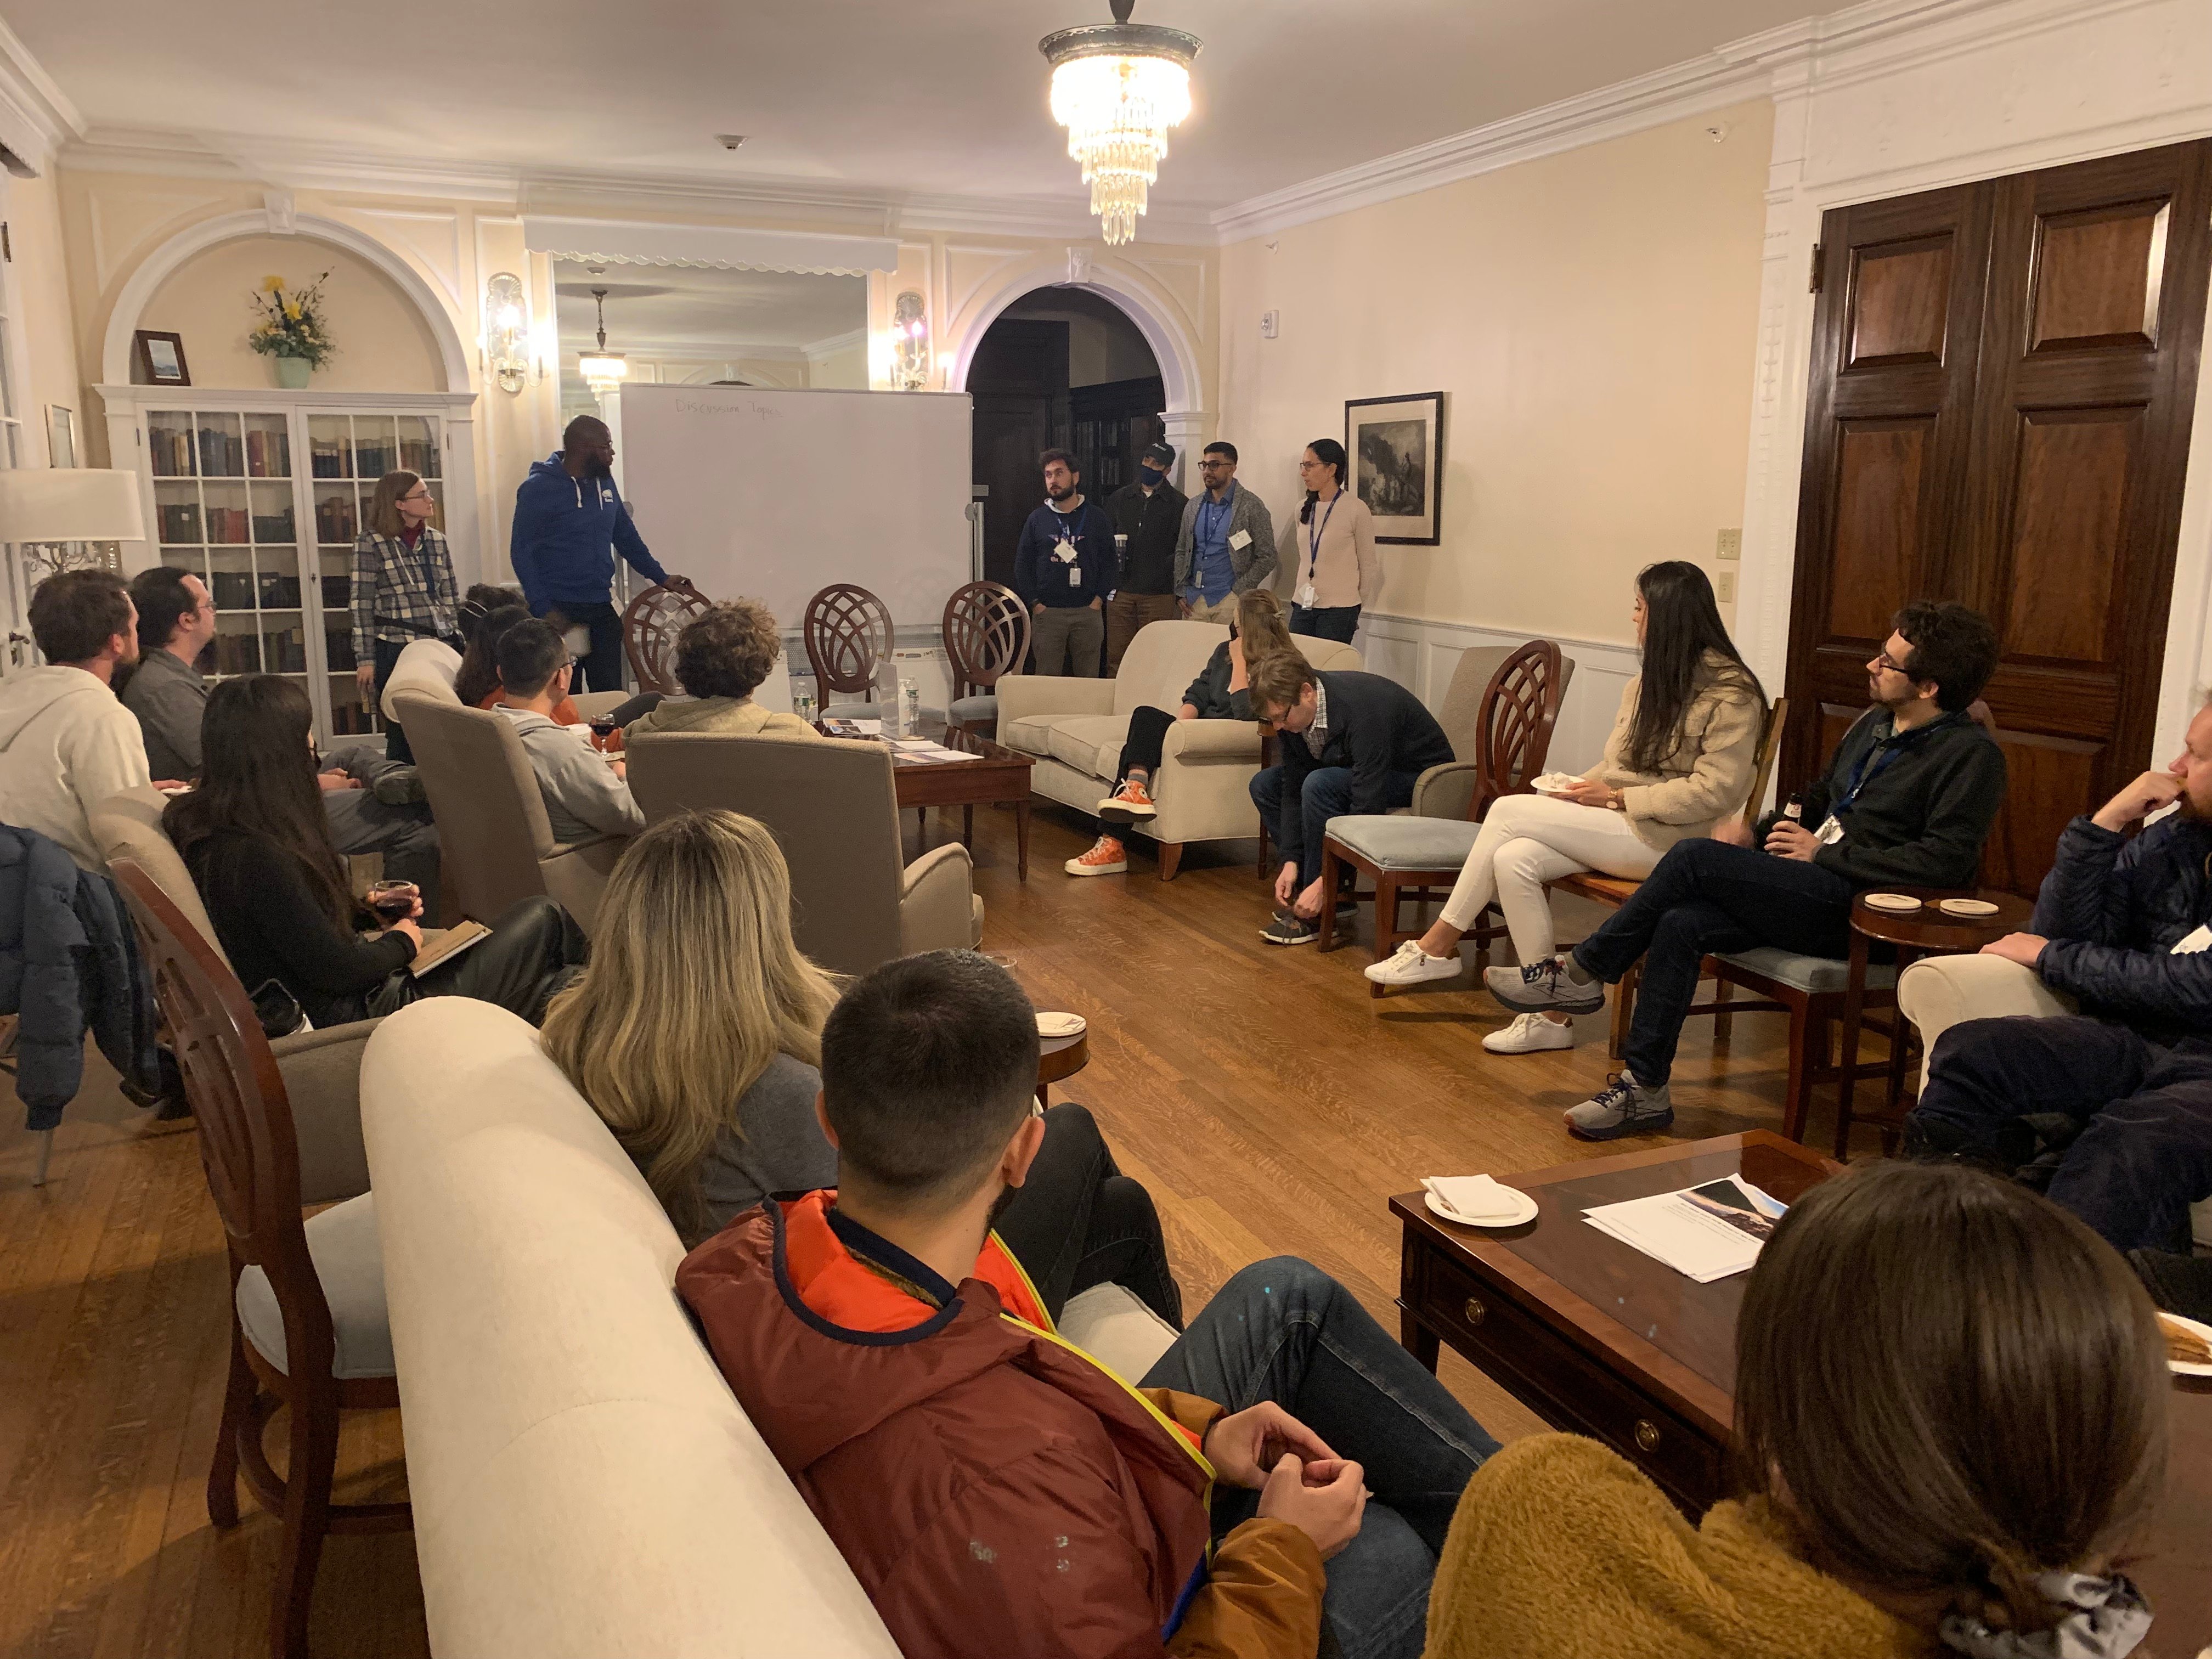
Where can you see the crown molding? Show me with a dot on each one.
(830, 344)
(1711, 81)
(36, 116)
(647, 348)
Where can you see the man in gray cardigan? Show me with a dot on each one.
(1227, 543)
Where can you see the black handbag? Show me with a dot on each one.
(279, 1009)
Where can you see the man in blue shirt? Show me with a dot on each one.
(570, 522)
(1064, 568)
(1227, 544)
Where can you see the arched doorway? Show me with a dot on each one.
(1060, 367)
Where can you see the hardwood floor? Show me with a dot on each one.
(1270, 1105)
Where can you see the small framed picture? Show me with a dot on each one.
(162, 357)
(1396, 446)
(61, 436)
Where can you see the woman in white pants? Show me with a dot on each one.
(1680, 760)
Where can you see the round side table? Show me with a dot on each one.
(1926, 932)
(1059, 1058)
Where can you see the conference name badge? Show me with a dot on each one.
(1829, 832)
(1241, 539)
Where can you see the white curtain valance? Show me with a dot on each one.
(631, 242)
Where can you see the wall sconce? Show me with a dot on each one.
(507, 330)
(909, 344)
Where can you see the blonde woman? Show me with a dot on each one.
(695, 1032)
(402, 587)
(697, 1035)
(1220, 692)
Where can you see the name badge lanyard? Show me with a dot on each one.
(1313, 534)
(1868, 768)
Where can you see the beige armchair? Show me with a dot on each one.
(497, 844)
(427, 668)
(833, 807)
(321, 1069)
(1937, 993)
(1075, 728)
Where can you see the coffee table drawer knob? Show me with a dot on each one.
(1476, 1312)
(1647, 1434)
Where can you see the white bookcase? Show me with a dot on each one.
(261, 494)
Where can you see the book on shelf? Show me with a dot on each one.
(273, 527)
(338, 594)
(237, 653)
(222, 454)
(335, 519)
(280, 593)
(371, 460)
(170, 450)
(284, 650)
(338, 649)
(269, 455)
(180, 521)
(233, 591)
(228, 524)
(326, 457)
(419, 456)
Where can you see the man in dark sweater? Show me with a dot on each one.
(1064, 569)
(1348, 743)
(2112, 1107)
(1149, 513)
(1906, 802)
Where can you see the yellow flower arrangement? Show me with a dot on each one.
(291, 325)
(272, 284)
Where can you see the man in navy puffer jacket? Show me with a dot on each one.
(2122, 926)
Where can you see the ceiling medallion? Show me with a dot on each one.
(1118, 87)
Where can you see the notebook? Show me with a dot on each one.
(447, 946)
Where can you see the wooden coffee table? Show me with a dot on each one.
(1598, 1338)
(999, 777)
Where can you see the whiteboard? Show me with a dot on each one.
(771, 495)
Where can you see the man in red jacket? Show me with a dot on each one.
(996, 1490)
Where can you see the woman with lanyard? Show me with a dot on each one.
(402, 587)
(1332, 546)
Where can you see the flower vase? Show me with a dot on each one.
(292, 373)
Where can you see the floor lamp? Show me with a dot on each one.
(46, 506)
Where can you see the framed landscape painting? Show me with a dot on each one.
(1397, 450)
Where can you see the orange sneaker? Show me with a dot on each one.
(1129, 801)
(1105, 858)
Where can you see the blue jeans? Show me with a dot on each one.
(1707, 896)
(1284, 1330)
(2143, 1152)
(1325, 621)
(1327, 795)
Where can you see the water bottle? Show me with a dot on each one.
(909, 707)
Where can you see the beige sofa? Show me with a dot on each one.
(1076, 729)
(1937, 993)
(585, 1485)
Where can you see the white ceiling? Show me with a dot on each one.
(659, 311)
(938, 96)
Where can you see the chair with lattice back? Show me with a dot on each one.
(849, 634)
(1415, 857)
(986, 633)
(650, 626)
(309, 1333)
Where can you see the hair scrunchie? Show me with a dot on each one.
(2107, 1618)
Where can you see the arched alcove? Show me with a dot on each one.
(1155, 314)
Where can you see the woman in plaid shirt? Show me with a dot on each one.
(402, 587)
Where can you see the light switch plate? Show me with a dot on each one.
(1271, 323)
(1725, 587)
(1731, 545)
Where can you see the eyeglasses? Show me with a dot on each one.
(1214, 466)
(418, 495)
(1882, 664)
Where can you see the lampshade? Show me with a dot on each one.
(71, 504)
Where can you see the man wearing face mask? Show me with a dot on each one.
(1146, 515)
(570, 522)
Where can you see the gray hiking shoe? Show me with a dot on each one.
(1623, 1106)
(1554, 987)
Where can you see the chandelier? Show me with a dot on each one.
(1118, 87)
(602, 370)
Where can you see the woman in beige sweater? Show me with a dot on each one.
(721, 657)
(1951, 1421)
(1680, 760)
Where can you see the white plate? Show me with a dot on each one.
(1895, 904)
(1526, 1212)
(1061, 1026)
(1971, 908)
(2182, 1368)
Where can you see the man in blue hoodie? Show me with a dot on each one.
(570, 522)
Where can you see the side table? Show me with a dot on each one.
(1927, 932)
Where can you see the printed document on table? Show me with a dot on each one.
(1707, 1232)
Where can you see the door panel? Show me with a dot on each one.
(2047, 491)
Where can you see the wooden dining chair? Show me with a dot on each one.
(650, 626)
(308, 1329)
(849, 634)
(1412, 857)
(986, 633)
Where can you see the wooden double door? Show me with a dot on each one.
(1999, 413)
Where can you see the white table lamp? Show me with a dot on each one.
(71, 504)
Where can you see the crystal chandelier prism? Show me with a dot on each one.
(1118, 88)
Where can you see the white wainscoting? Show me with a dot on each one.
(1422, 656)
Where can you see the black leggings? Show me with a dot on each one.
(535, 950)
(1077, 1221)
(1148, 735)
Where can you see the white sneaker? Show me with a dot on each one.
(1528, 1034)
(1412, 965)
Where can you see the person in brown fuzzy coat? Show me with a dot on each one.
(1951, 1412)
